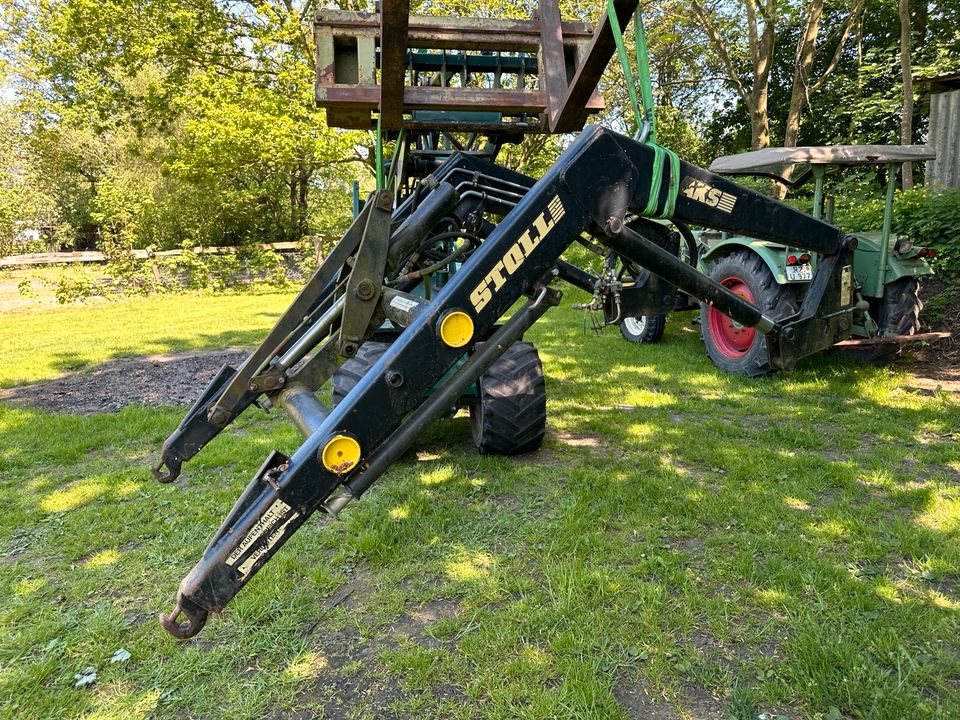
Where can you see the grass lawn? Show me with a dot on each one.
(686, 545)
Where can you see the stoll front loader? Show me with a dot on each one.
(501, 232)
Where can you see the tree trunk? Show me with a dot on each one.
(761, 48)
(760, 125)
(760, 45)
(299, 192)
(304, 178)
(906, 118)
(293, 202)
(806, 52)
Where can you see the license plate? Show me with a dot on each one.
(799, 272)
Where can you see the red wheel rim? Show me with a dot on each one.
(730, 337)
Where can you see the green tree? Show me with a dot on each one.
(209, 103)
(24, 204)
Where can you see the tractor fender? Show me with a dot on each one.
(772, 254)
(867, 260)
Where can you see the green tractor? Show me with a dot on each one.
(886, 268)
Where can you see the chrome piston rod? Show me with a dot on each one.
(312, 336)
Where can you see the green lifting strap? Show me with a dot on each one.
(624, 61)
(396, 162)
(646, 112)
(671, 203)
(660, 154)
(643, 69)
(656, 178)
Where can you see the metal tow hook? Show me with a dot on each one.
(172, 464)
(196, 619)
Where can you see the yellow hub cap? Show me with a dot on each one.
(341, 454)
(456, 328)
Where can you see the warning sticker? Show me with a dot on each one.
(274, 538)
(265, 524)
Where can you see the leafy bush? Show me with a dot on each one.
(929, 219)
(10, 245)
(25, 288)
(941, 307)
(192, 270)
(264, 265)
(77, 286)
(933, 221)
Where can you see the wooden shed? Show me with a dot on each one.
(944, 133)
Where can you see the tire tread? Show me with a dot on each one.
(899, 313)
(513, 416)
(652, 333)
(773, 299)
(352, 371)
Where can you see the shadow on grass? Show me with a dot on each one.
(684, 540)
(817, 507)
(783, 584)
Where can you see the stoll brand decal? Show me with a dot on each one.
(708, 194)
(514, 257)
(267, 523)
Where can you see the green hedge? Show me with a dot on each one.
(930, 220)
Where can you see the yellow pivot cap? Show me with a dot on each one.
(341, 454)
(456, 328)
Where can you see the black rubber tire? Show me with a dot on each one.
(643, 329)
(775, 300)
(348, 375)
(511, 416)
(898, 312)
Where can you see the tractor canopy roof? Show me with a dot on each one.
(794, 166)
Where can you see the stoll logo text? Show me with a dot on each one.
(514, 257)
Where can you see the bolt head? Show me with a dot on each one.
(365, 290)
(254, 387)
(394, 378)
(385, 201)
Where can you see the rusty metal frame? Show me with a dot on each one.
(571, 113)
(394, 36)
(353, 46)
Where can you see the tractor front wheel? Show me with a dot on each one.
(510, 417)
(734, 347)
(349, 374)
(643, 328)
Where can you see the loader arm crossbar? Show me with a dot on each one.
(598, 181)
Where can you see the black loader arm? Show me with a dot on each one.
(600, 180)
(233, 391)
(319, 307)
